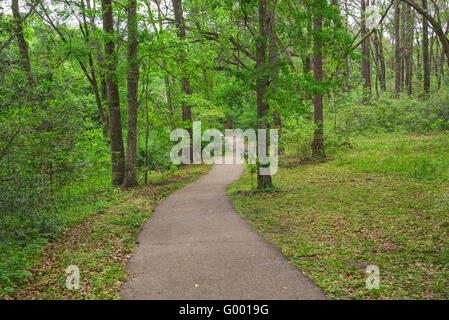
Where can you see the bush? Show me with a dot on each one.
(395, 115)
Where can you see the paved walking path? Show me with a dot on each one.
(196, 246)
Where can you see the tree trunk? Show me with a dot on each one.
(168, 92)
(262, 82)
(318, 139)
(408, 57)
(185, 83)
(435, 25)
(117, 148)
(436, 65)
(403, 44)
(100, 61)
(380, 54)
(306, 56)
(23, 46)
(379, 60)
(366, 65)
(347, 72)
(133, 86)
(397, 48)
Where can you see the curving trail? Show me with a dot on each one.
(196, 246)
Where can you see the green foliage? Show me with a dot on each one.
(297, 137)
(387, 115)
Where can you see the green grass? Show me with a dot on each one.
(366, 207)
(423, 157)
(99, 242)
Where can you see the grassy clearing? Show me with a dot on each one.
(365, 207)
(101, 245)
(422, 157)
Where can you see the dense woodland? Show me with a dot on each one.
(91, 90)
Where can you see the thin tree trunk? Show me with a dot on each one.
(403, 42)
(418, 67)
(377, 65)
(366, 65)
(147, 135)
(382, 73)
(117, 148)
(380, 61)
(436, 65)
(318, 139)
(425, 49)
(435, 25)
(168, 93)
(93, 73)
(23, 46)
(408, 57)
(100, 60)
(133, 86)
(397, 48)
(347, 72)
(185, 83)
(307, 57)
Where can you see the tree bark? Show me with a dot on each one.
(397, 48)
(93, 71)
(425, 51)
(318, 139)
(408, 57)
(185, 83)
(115, 121)
(100, 60)
(366, 65)
(262, 82)
(168, 92)
(402, 42)
(347, 72)
(133, 86)
(380, 57)
(435, 25)
(23, 46)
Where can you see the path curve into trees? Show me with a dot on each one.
(196, 246)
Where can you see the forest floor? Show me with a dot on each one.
(101, 245)
(383, 202)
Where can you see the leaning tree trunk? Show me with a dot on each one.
(133, 86)
(100, 60)
(115, 121)
(23, 46)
